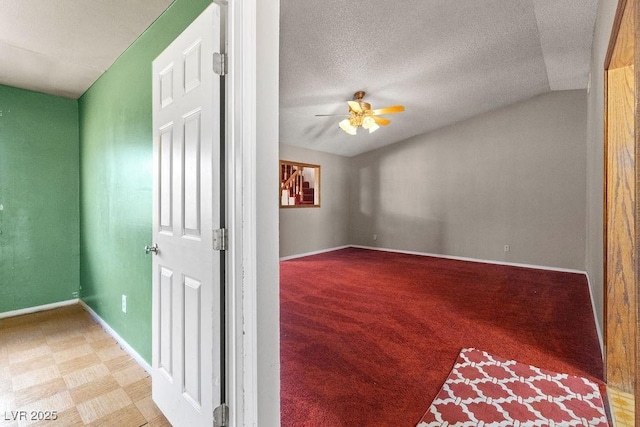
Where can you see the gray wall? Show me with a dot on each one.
(515, 176)
(595, 155)
(311, 229)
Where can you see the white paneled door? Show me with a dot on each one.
(186, 210)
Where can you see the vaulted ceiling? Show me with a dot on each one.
(444, 60)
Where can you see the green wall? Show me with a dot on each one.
(39, 236)
(116, 181)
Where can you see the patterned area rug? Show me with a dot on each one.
(485, 390)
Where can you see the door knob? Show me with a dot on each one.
(153, 249)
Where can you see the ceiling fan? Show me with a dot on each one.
(361, 115)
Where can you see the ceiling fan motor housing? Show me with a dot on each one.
(358, 96)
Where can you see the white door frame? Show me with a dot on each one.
(253, 391)
(242, 349)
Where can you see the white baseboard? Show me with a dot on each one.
(513, 264)
(484, 261)
(125, 346)
(44, 307)
(321, 251)
(595, 317)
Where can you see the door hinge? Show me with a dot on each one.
(220, 239)
(221, 416)
(220, 63)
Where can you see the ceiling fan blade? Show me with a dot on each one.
(329, 115)
(389, 110)
(381, 120)
(355, 106)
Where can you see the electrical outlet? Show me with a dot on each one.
(124, 303)
(506, 248)
(375, 237)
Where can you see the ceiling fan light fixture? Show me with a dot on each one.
(346, 126)
(368, 122)
(361, 115)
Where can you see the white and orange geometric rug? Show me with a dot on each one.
(486, 390)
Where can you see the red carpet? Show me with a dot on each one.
(487, 389)
(369, 337)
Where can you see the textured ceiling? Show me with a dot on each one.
(62, 46)
(444, 60)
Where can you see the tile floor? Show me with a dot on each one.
(622, 407)
(61, 360)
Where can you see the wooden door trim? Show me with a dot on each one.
(636, 64)
(615, 33)
(605, 221)
(617, 23)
